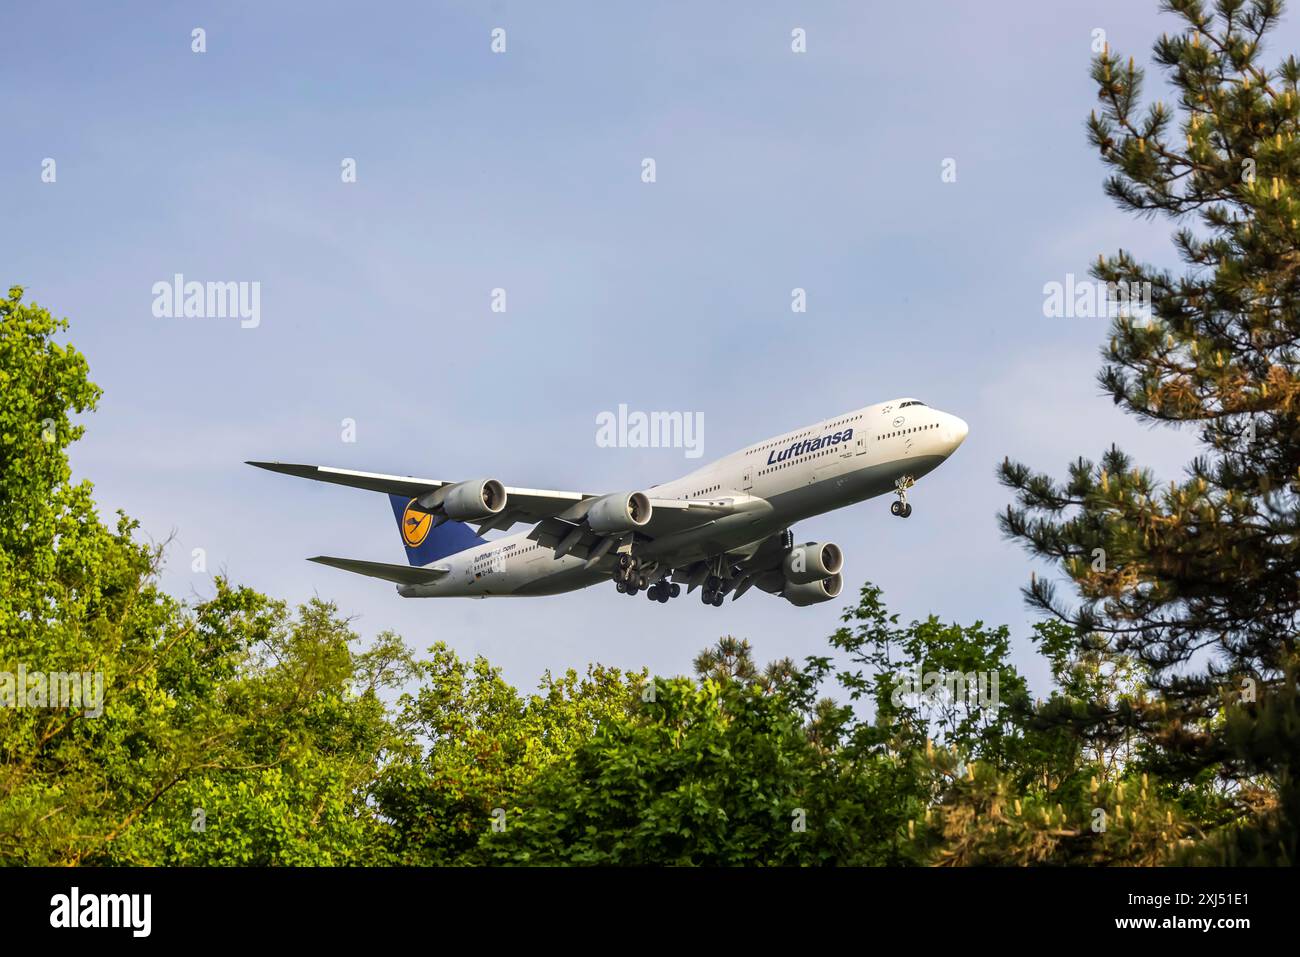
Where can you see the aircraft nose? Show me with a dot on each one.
(956, 432)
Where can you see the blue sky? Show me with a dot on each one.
(522, 171)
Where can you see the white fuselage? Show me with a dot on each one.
(770, 485)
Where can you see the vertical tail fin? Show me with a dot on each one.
(424, 542)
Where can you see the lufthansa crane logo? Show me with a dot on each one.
(415, 525)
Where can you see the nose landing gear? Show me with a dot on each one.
(901, 508)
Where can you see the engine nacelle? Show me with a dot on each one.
(813, 593)
(621, 512)
(811, 562)
(471, 501)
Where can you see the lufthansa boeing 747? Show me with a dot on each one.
(723, 528)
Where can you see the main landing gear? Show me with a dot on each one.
(662, 591)
(713, 592)
(901, 508)
(632, 577)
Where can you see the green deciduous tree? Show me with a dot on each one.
(928, 680)
(473, 743)
(265, 721)
(739, 767)
(707, 773)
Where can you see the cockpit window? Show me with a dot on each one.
(913, 402)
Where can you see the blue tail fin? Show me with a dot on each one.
(424, 543)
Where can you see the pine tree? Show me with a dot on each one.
(1198, 581)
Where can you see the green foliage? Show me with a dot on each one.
(986, 817)
(716, 772)
(927, 680)
(288, 782)
(707, 774)
(473, 743)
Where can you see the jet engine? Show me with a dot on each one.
(475, 500)
(812, 561)
(620, 512)
(813, 593)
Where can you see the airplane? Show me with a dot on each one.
(724, 528)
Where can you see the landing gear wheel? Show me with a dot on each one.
(900, 507)
(706, 596)
(717, 599)
(622, 588)
(674, 590)
(664, 594)
(632, 589)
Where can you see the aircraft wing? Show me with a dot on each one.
(522, 504)
(529, 505)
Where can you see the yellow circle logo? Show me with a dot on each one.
(415, 525)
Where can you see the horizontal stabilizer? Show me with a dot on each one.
(401, 574)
